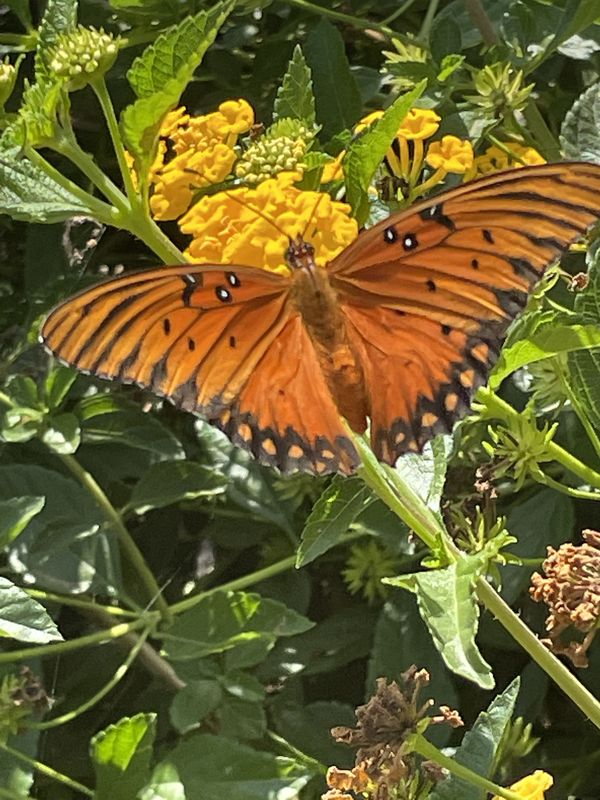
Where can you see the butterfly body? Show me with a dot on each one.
(400, 328)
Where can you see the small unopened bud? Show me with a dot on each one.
(82, 55)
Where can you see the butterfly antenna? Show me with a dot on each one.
(320, 197)
(244, 204)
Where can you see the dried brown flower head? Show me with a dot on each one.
(571, 590)
(579, 282)
(384, 766)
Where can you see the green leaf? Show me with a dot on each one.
(68, 546)
(295, 99)
(21, 9)
(549, 339)
(335, 642)
(333, 513)
(307, 727)
(160, 75)
(62, 433)
(584, 366)
(337, 98)
(177, 52)
(479, 746)
(170, 482)
(23, 618)
(57, 385)
(213, 768)
(122, 755)
(27, 193)
(425, 472)
(164, 784)
(192, 704)
(577, 15)
(241, 625)
(449, 607)
(367, 151)
(15, 515)
(105, 418)
(402, 639)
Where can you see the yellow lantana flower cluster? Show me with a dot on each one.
(508, 156)
(409, 154)
(204, 155)
(253, 225)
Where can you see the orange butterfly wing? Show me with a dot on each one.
(428, 294)
(220, 341)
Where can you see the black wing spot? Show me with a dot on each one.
(487, 235)
(400, 312)
(431, 285)
(167, 326)
(446, 330)
(390, 234)
(223, 294)
(475, 263)
(436, 213)
(233, 280)
(191, 345)
(409, 242)
(190, 284)
(232, 341)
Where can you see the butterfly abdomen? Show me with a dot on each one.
(318, 303)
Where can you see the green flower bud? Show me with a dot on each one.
(8, 77)
(499, 90)
(82, 55)
(281, 149)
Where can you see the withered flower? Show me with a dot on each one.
(571, 590)
(385, 766)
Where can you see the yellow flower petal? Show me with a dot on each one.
(419, 123)
(450, 154)
(532, 787)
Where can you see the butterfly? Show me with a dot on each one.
(400, 328)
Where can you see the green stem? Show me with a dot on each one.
(142, 226)
(428, 20)
(480, 18)
(398, 496)
(67, 600)
(580, 494)
(499, 408)
(554, 668)
(56, 648)
(119, 674)
(237, 585)
(129, 547)
(102, 211)
(355, 22)
(419, 744)
(99, 87)
(68, 147)
(46, 770)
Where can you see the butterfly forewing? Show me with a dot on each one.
(430, 292)
(221, 341)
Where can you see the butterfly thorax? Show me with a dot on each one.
(317, 302)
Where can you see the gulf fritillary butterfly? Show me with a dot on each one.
(401, 327)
